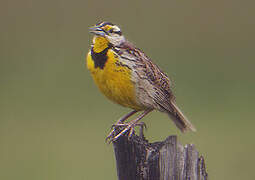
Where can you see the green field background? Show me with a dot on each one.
(53, 119)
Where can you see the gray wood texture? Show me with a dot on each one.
(137, 159)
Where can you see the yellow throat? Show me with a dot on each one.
(100, 44)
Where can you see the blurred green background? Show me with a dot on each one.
(53, 120)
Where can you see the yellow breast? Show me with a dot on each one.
(114, 80)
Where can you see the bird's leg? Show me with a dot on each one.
(119, 122)
(132, 124)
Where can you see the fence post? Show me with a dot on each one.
(137, 159)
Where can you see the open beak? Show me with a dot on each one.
(97, 31)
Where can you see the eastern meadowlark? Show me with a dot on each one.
(125, 75)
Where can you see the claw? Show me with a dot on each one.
(121, 133)
(131, 132)
(113, 129)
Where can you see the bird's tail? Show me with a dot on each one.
(179, 119)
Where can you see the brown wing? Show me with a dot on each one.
(150, 71)
(158, 94)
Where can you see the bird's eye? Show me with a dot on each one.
(118, 32)
(114, 31)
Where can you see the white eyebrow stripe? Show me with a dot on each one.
(116, 28)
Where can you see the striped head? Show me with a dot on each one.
(111, 32)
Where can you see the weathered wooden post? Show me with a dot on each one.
(137, 159)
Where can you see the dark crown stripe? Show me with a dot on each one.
(101, 24)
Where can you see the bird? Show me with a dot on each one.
(126, 76)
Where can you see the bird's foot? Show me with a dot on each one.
(128, 127)
(113, 130)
